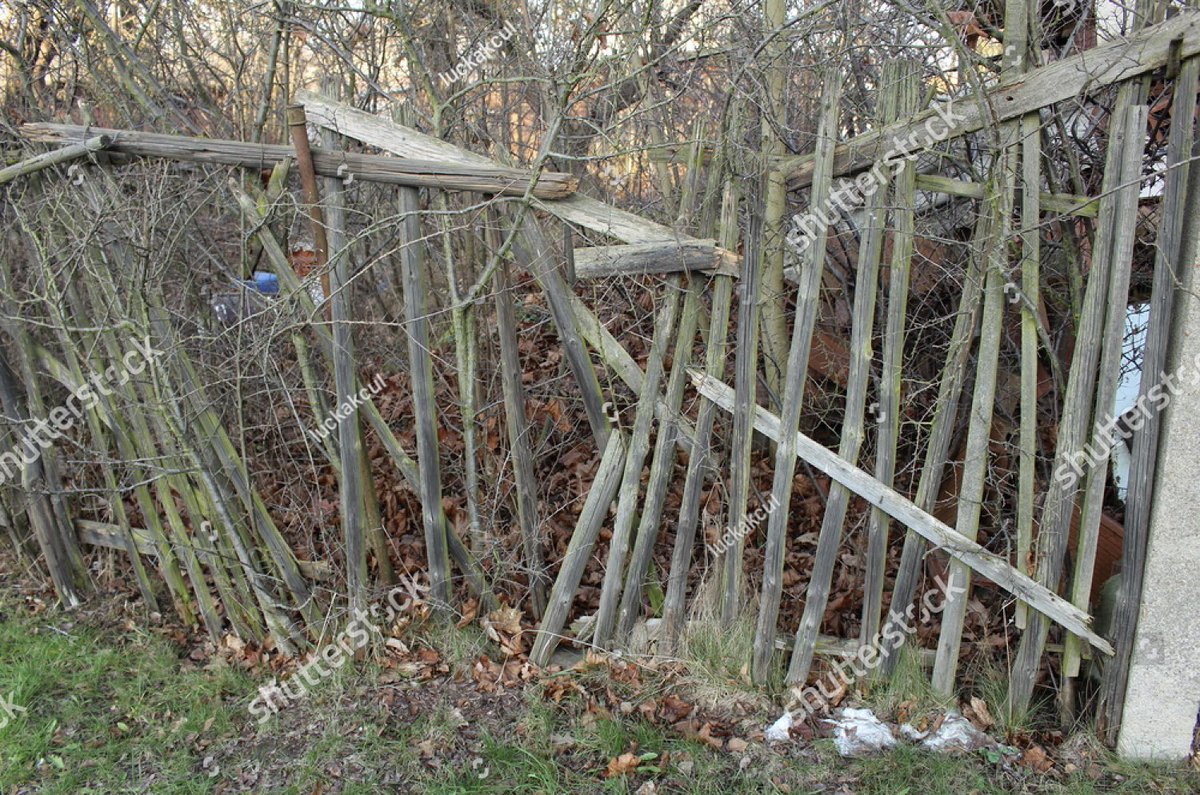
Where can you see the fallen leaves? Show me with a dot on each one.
(622, 765)
(978, 714)
(503, 625)
(1035, 758)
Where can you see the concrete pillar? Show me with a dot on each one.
(1162, 697)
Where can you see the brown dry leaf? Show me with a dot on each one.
(674, 709)
(505, 619)
(983, 718)
(470, 611)
(558, 688)
(1035, 758)
(705, 736)
(968, 26)
(622, 765)
(737, 745)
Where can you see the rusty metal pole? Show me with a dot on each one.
(298, 126)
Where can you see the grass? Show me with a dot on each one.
(104, 712)
(115, 710)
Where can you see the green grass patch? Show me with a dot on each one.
(106, 712)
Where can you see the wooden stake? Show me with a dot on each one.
(861, 333)
(807, 307)
(1123, 162)
(1179, 194)
(420, 362)
(631, 477)
(983, 402)
(579, 551)
(699, 462)
(900, 102)
(518, 428)
(661, 466)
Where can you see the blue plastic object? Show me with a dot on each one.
(263, 282)
(267, 283)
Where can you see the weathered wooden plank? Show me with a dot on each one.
(518, 445)
(1061, 203)
(983, 403)
(420, 363)
(941, 432)
(699, 461)
(407, 142)
(47, 159)
(796, 375)
(745, 379)
(862, 332)
(1112, 342)
(369, 168)
(661, 466)
(904, 510)
(103, 534)
(355, 469)
(903, 101)
(1031, 243)
(631, 478)
(636, 259)
(579, 550)
(1093, 69)
(1121, 178)
(384, 133)
(1143, 461)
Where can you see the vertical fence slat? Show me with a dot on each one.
(631, 478)
(1181, 148)
(807, 307)
(579, 550)
(420, 363)
(975, 465)
(866, 287)
(700, 460)
(1077, 405)
(903, 98)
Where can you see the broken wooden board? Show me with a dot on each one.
(48, 159)
(1090, 70)
(637, 259)
(905, 510)
(110, 536)
(406, 142)
(482, 178)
